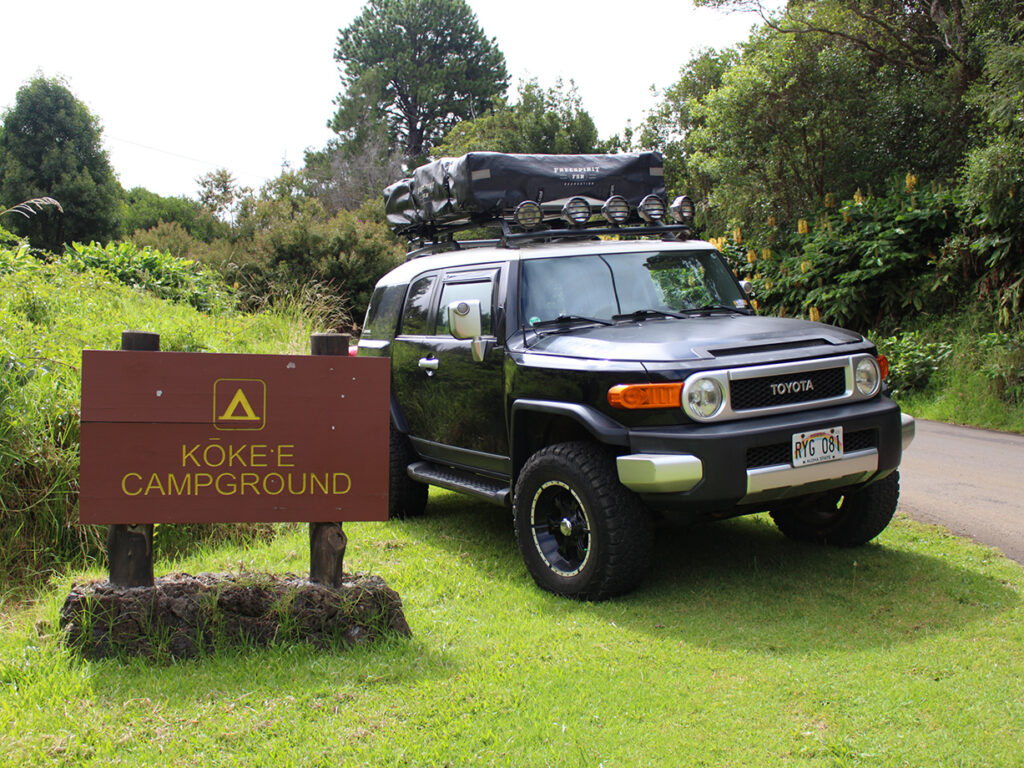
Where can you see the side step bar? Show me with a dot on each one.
(483, 488)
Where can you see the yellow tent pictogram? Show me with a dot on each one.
(239, 401)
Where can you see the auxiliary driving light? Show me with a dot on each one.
(528, 214)
(576, 210)
(616, 209)
(683, 210)
(652, 209)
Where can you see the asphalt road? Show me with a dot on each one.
(969, 480)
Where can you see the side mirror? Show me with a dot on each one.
(747, 286)
(464, 319)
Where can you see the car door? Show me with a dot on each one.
(453, 404)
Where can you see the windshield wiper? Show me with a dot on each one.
(563, 319)
(640, 314)
(707, 309)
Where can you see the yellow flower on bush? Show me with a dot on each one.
(802, 227)
(815, 314)
(911, 183)
(858, 197)
(737, 236)
(766, 254)
(804, 266)
(751, 256)
(771, 221)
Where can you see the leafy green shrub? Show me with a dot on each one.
(163, 275)
(1004, 364)
(912, 360)
(864, 263)
(296, 243)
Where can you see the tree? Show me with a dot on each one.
(793, 118)
(50, 146)
(418, 67)
(142, 210)
(542, 121)
(343, 175)
(670, 126)
(220, 194)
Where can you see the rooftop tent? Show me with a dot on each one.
(483, 186)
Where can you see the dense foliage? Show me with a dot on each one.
(864, 262)
(50, 147)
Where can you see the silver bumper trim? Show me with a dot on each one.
(659, 473)
(783, 480)
(909, 430)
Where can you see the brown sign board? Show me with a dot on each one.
(175, 437)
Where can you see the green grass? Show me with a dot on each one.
(742, 649)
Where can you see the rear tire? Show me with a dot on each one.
(847, 520)
(406, 497)
(581, 533)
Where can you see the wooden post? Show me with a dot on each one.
(327, 541)
(130, 547)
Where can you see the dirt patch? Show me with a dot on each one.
(184, 615)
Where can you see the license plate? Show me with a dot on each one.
(816, 447)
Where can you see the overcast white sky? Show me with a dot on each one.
(186, 87)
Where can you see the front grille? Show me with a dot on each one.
(781, 453)
(749, 394)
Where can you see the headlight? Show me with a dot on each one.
(616, 209)
(528, 214)
(704, 398)
(576, 210)
(867, 376)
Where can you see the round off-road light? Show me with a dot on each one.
(682, 209)
(616, 209)
(867, 375)
(528, 214)
(652, 209)
(704, 398)
(576, 210)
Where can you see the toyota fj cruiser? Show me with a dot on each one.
(595, 375)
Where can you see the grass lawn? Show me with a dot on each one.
(741, 649)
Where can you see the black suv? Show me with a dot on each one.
(596, 384)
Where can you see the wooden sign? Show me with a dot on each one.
(173, 437)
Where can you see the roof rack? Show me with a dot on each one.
(588, 231)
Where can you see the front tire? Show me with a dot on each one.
(849, 520)
(580, 532)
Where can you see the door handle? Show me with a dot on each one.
(428, 363)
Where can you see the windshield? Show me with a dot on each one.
(604, 286)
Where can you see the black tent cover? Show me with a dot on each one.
(481, 186)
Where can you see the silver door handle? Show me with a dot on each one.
(429, 363)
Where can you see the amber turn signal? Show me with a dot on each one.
(634, 396)
(883, 366)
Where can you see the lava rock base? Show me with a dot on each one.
(184, 616)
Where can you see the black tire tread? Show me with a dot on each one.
(627, 523)
(406, 497)
(864, 514)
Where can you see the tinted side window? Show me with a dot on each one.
(382, 314)
(482, 290)
(417, 307)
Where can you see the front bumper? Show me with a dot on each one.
(711, 466)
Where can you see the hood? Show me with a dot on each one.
(670, 339)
